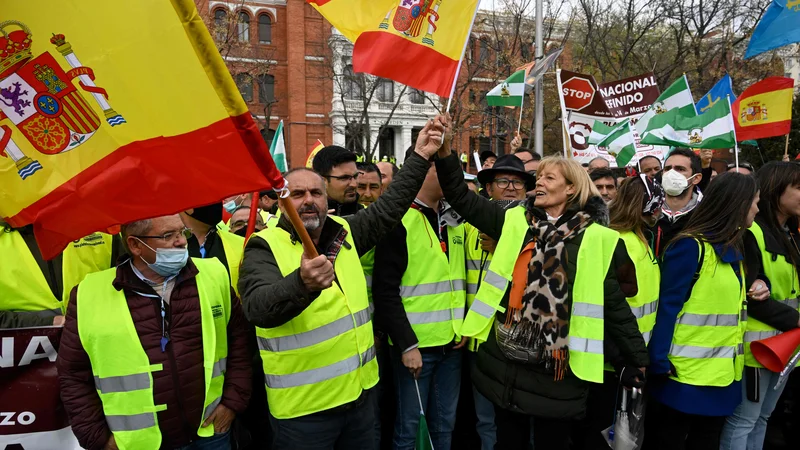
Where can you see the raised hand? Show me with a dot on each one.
(430, 139)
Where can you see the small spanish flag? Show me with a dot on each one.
(314, 150)
(415, 42)
(764, 109)
(112, 112)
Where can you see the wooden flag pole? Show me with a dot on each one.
(309, 248)
(521, 108)
(786, 148)
(251, 220)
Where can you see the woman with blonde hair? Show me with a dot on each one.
(548, 300)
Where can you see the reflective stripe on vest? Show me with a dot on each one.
(324, 357)
(586, 331)
(315, 336)
(321, 374)
(481, 315)
(433, 286)
(644, 304)
(784, 288)
(125, 385)
(707, 345)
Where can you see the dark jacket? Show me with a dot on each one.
(179, 385)
(271, 300)
(668, 227)
(530, 389)
(344, 209)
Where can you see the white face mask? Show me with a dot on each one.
(674, 183)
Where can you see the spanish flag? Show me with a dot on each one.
(112, 112)
(415, 42)
(764, 109)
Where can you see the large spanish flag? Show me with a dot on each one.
(764, 109)
(117, 111)
(415, 42)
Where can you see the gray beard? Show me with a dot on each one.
(312, 224)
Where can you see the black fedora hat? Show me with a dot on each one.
(507, 164)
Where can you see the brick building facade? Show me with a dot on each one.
(275, 51)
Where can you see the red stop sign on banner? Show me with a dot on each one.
(578, 93)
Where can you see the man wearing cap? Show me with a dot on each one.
(507, 181)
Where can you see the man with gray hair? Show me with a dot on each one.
(154, 352)
(312, 315)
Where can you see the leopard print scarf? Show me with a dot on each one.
(539, 320)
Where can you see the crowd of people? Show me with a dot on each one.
(517, 305)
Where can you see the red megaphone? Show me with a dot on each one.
(774, 353)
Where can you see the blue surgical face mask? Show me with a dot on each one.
(231, 206)
(169, 261)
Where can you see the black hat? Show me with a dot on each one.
(507, 164)
(486, 155)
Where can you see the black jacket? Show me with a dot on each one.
(270, 299)
(530, 389)
(344, 209)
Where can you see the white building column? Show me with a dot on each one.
(405, 142)
(338, 137)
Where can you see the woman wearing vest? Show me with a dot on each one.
(543, 334)
(636, 209)
(771, 246)
(697, 344)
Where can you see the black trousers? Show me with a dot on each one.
(669, 429)
(514, 432)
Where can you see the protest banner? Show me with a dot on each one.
(32, 416)
(585, 102)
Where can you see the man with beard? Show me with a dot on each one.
(337, 165)
(312, 315)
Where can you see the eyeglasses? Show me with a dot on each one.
(170, 236)
(503, 183)
(344, 178)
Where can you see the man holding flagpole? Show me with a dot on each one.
(312, 314)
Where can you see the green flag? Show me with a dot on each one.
(423, 436)
(599, 132)
(278, 149)
(677, 96)
(712, 129)
(509, 92)
(620, 143)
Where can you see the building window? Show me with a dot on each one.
(385, 90)
(416, 97)
(352, 84)
(220, 24)
(243, 27)
(484, 51)
(266, 89)
(245, 84)
(485, 144)
(264, 29)
(386, 142)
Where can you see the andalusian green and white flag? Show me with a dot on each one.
(712, 129)
(509, 92)
(278, 149)
(620, 143)
(677, 96)
(599, 132)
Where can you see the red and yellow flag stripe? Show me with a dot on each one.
(764, 109)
